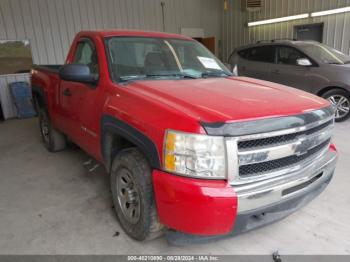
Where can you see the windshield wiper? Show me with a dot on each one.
(130, 78)
(183, 75)
(215, 74)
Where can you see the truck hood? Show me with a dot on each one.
(228, 99)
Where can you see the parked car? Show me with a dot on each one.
(189, 148)
(306, 65)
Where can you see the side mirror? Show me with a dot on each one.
(304, 62)
(77, 73)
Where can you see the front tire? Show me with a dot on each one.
(340, 99)
(132, 192)
(53, 139)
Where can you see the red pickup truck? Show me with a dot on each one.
(191, 150)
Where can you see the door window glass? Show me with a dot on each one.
(325, 54)
(261, 54)
(86, 54)
(288, 56)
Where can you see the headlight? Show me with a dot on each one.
(195, 155)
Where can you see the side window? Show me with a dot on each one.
(288, 55)
(86, 54)
(261, 54)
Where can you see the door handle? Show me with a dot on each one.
(67, 92)
(276, 71)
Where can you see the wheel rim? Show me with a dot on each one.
(341, 105)
(128, 196)
(44, 125)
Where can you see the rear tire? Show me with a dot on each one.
(132, 192)
(340, 99)
(53, 139)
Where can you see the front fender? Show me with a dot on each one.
(113, 125)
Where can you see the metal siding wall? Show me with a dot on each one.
(50, 25)
(336, 27)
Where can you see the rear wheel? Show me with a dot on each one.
(340, 99)
(53, 139)
(132, 192)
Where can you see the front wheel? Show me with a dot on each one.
(340, 99)
(132, 192)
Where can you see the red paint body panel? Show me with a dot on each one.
(194, 206)
(152, 107)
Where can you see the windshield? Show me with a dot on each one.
(137, 58)
(326, 54)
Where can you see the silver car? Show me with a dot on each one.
(306, 65)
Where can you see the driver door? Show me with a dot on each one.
(256, 62)
(80, 100)
(287, 71)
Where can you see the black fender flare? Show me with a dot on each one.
(39, 93)
(110, 124)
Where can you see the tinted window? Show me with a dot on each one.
(261, 54)
(326, 54)
(243, 53)
(86, 54)
(288, 56)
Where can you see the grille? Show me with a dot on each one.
(276, 155)
(277, 140)
(274, 165)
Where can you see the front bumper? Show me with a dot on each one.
(194, 206)
(279, 189)
(201, 210)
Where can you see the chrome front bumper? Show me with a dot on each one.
(263, 203)
(257, 195)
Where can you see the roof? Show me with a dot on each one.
(277, 41)
(136, 33)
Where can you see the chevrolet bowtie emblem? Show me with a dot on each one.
(303, 147)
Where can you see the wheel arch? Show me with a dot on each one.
(39, 97)
(322, 91)
(117, 135)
